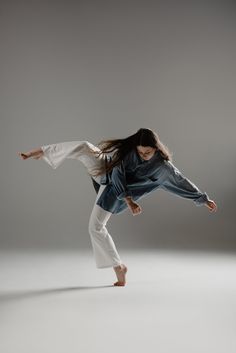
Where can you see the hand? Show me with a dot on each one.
(134, 207)
(211, 205)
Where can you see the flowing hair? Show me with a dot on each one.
(143, 137)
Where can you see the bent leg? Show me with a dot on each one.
(55, 154)
(104, 248)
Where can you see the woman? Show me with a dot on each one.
(140, 164)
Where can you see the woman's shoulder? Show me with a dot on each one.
(126, 159)
(130, 159)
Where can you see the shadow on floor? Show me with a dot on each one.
(26, 294)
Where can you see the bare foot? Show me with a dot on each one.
(24, 155)
(120, 273)
(36, 154)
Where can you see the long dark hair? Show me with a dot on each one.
(143, 137)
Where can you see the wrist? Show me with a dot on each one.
(128, 199)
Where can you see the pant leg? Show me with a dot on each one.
(104, 248)
(55, 154)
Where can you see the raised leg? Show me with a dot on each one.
(55, 154)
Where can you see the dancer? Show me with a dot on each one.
(140, 164)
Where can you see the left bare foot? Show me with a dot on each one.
(36, 154)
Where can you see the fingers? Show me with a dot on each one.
(211, 205)
(137, 211)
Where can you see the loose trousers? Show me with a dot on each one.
(104, 249)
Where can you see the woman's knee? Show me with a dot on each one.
(98, 218)
(95, 227)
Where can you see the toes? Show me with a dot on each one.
(119, 284)
(24, 155)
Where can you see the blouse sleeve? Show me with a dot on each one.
(176, 183)
(118, 178)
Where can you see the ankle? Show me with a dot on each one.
(118, 267)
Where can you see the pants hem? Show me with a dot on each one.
(105, 266)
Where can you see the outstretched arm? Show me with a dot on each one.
(175, 182)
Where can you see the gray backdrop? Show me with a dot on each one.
(89, 70)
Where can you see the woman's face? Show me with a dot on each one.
(146, 152)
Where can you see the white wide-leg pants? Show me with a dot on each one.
(104, 249)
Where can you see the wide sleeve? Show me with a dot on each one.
(175, 182)
(118, 178)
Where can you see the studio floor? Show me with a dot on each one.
(54, 301)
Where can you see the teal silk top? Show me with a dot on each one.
(136, 177)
